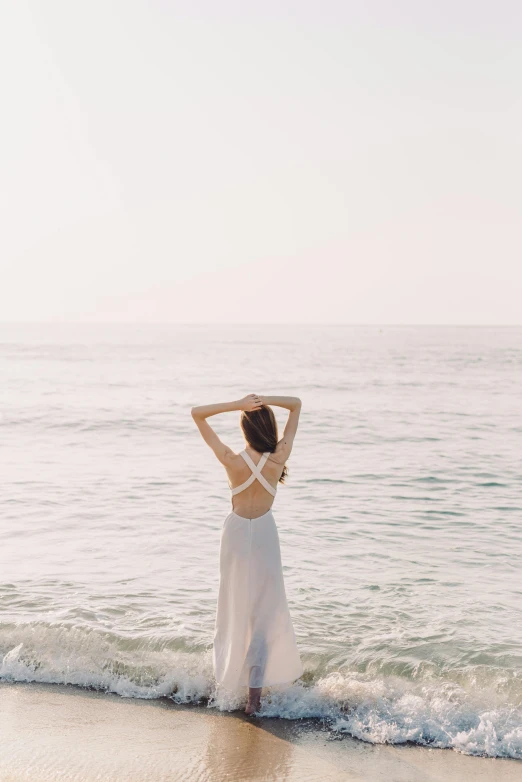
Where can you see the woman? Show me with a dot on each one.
(254, 641)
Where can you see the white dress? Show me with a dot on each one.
(254, 641)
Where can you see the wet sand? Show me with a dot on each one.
(57, 732)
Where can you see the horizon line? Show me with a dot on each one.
(253, 323)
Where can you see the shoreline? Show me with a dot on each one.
(67, 732)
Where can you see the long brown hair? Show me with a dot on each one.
(260, 430)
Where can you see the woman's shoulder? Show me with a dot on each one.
(233, 460)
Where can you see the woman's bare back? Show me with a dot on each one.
(255, 500)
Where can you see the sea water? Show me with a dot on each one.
(400, 522)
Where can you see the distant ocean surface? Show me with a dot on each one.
(400, 523)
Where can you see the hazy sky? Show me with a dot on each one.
(352, 161)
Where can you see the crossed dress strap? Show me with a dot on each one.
(256, 473)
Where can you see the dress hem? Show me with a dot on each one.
(269, 684)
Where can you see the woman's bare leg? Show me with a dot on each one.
(254, 700)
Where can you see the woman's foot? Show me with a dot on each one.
(254, 701)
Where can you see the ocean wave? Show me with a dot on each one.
(395, 711)
(462, 714)
(64, 654)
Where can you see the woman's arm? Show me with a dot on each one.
(288, 402)
(199, 414)
(292, 403)
(250, 402)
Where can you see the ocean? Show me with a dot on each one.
(400, 522)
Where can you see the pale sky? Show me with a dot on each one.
(351, 161)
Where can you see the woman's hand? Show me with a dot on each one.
(250, 402)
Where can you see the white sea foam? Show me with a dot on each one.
(65, 655)
(394, 711)
(439, 713)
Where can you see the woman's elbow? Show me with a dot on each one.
(194, 412)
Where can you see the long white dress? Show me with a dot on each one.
(254, 641)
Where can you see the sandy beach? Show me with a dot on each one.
(58, 732)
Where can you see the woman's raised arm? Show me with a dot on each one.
(288, 402)
(249, 402)
(200, 413)
(292, 403)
